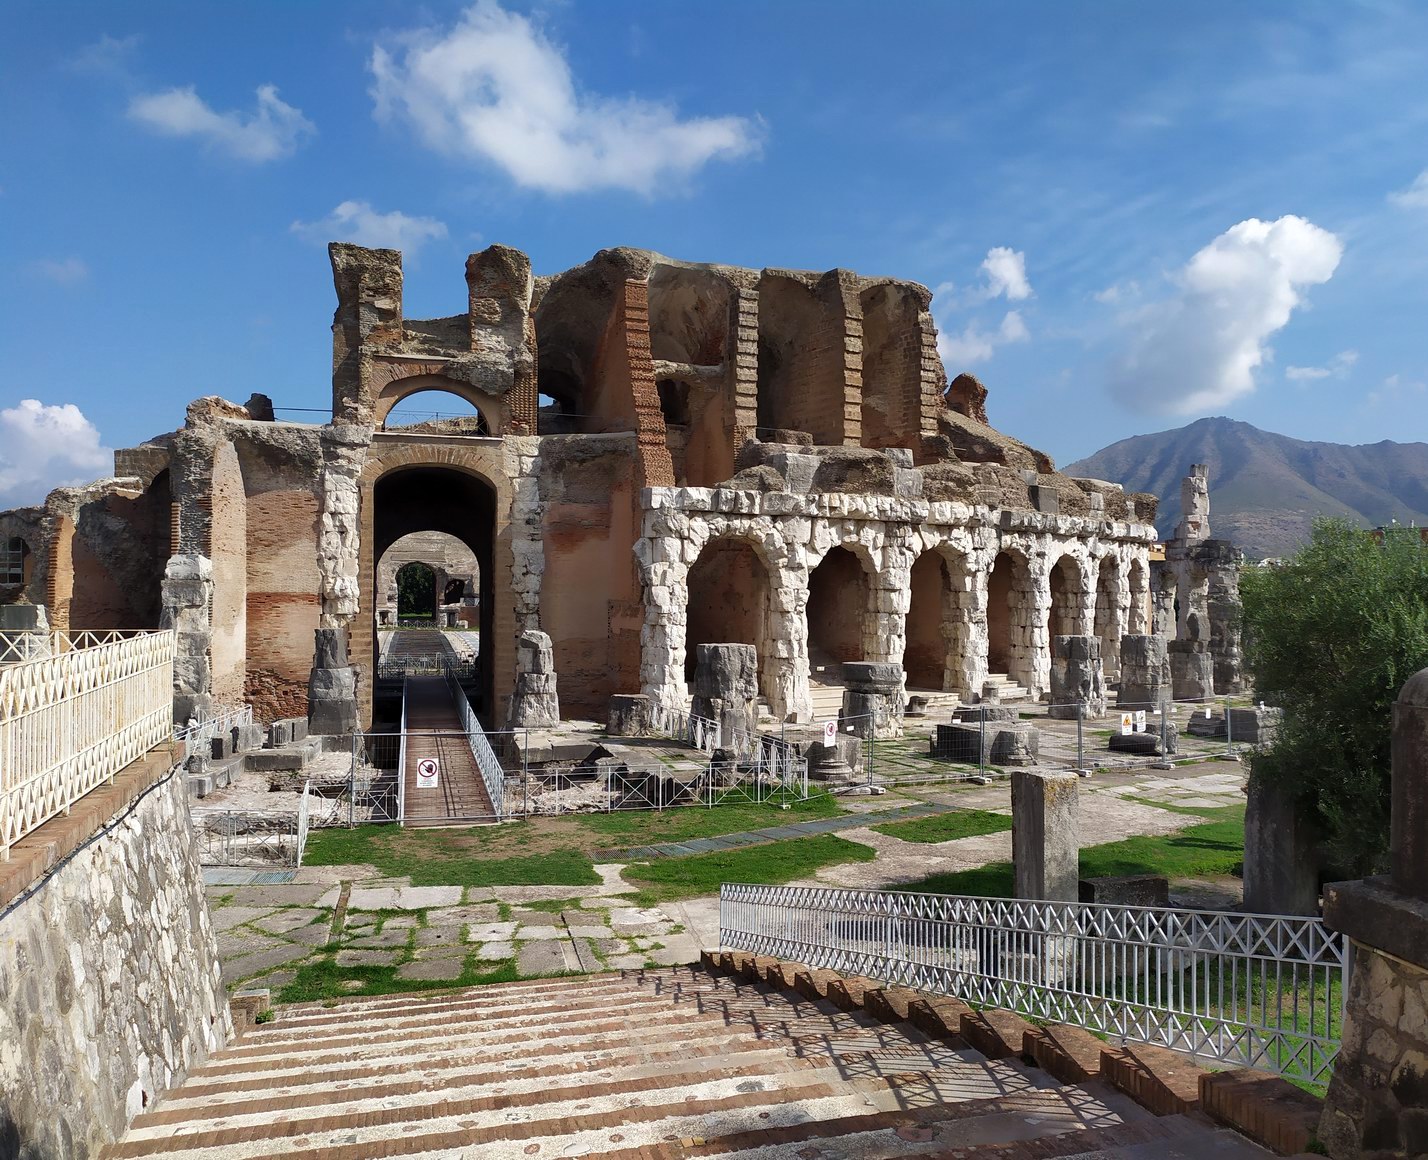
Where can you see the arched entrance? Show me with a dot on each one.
(1064, 616)
(728, 603)
(423, 498)
(1109, 617)
(937, 622)
(1009, 619)
(416, 592)
(838, 598)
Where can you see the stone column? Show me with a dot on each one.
(1281, 871)
(872, 698)
(187, 594)
(786, 644)
(971, 599)
(1192, 670)
(1162, 600)
(1046, 835)
(1145, 672)
(534, 704)
(726, 689)
(1378, 1101)
(1076, 678)
(1032, 623)
(332, 685)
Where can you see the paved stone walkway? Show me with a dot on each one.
(776, 833)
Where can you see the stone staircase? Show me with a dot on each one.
(1008, 691)
(680, 1062)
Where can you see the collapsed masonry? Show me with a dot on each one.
(1197, 600)
(667, 454)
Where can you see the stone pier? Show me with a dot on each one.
(1046, 835)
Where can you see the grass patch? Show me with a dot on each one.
(321, 978)
(449, 857)
(947, 827)
(1215, 847)
(648, 827)
(770, 865)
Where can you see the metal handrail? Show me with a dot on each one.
(1255, 990)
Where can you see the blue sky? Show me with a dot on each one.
(1133, 214)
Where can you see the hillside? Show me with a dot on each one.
(1266, 489)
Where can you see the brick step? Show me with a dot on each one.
(585, 1034)
(639, 1112)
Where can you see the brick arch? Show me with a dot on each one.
(490, 407)
(485, 463)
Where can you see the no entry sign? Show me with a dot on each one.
(428, 773)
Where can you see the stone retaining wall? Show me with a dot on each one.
(110, 989)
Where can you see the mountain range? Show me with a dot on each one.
(1266, 489)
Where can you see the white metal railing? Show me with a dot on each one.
(1263, 991)
(699, 732)
(390, 668)
(492, 772)
(402, 758)
(221, 719)
(71, 720)
(302, 821)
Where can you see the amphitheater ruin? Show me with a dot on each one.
(663, 454)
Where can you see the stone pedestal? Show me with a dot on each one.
(726, 689)
(1281, 858)
(534, 704)
(1046, 835)
(1145, 672)
(1077, 680)
(186, 594)
(833, 764)
(1192, 670)
(630, 715)
(872, 699)
(1377, 1104)
(332, 685)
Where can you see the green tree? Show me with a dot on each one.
(416, 590)
(1331, 636)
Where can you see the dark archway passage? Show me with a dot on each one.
(450, 500)
(837, 608)
(925, 657)
(728, 602)
(416, 591)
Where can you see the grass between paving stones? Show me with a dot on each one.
(321, 978)
(541, 851)
(771, 864)
(478, 856)
(1217, 846)
(947, 827)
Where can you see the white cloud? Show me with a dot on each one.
(1338, 367)
(273, 130)
(357, 221)
(1398, 391)
(1415, 196)
(109, 56)
(62, 271)
(975, 345)
(494, 88)
(44, 446)
(1200, 348)
(1005, 269)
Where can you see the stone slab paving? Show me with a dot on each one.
(268, 929)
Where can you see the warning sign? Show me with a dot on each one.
(1140, 720)
(830, 733)
(1127, 724)
(427, 773)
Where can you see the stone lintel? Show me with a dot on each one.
(1371, 911)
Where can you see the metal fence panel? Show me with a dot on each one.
(1260, 991)
(70, 720)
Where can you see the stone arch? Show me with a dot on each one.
(1067, 581)
(1110, 618)
(416, 590)
(487, 473)
(840, 606)
(456, 574)
(939, 626)
(437, 422)
(1011, 605)
(488, 407)
(1138, 617)
(729, 588)
(16, 562)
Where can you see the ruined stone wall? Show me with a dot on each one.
(283, 602)
(805, 379)
(30, 526)
(891, 356)
(588, 583)
(110, 991)
(793, 532)
(228, 552)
